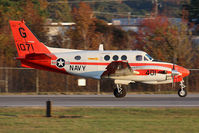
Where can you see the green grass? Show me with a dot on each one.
(99, 120)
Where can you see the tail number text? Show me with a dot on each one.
(151, 72)
(25, 47)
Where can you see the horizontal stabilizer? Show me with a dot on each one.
(34, 56)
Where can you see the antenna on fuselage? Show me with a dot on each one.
(101, 47)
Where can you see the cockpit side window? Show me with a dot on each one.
(150, 58)
(145, 59)
(139, 58)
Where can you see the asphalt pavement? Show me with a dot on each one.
(136, 100)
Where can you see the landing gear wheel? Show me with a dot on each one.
(119, 91)
(182, 92)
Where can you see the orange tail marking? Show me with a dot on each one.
(26, 42)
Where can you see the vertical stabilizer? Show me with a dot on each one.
(26, 42)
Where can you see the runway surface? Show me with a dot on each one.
(146, 100)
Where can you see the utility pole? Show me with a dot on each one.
(37, 81)
(129, 17)
(98, 87)
(155, 7)
(6, 80)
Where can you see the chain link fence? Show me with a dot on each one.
(19, 80)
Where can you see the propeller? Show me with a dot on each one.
(172, 75)
(173, 67)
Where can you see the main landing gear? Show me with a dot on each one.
(119, 91)
(182, 92)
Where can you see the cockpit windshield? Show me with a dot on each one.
(150, 58)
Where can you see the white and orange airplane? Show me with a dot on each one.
(122, 66)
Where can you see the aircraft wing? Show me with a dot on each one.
(118, 68)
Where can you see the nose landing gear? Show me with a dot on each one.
(119, 91)
(182, 92)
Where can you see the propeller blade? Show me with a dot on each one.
(172, 74)
(172, 81)
(173, 66)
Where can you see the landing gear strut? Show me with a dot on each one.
(182, 92)
(119, 91)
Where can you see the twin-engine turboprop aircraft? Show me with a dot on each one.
(122, 66)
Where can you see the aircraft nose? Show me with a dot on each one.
(185, 72)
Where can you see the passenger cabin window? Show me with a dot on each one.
(139, 58)
(115, 57)
(77, 57)
(106, 57)
(123, 57)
